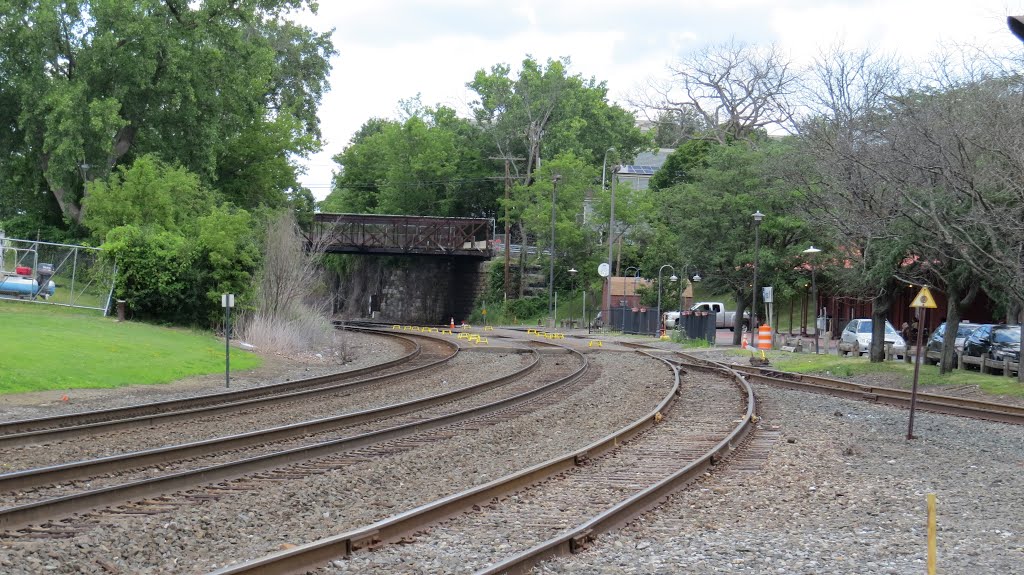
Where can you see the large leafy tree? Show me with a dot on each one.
(544, 111)
(89, 85)
(708, 222)
(429, 164)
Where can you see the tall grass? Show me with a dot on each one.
(292, 312)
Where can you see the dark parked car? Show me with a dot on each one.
(933, 349)
(998, 342)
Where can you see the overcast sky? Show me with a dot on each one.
(394, 49)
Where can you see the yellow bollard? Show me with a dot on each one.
(931, 534)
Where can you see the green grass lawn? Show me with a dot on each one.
(53, 348)
(854, 366)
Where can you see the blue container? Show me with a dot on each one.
(25, 287)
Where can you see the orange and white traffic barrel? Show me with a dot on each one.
(764, 337)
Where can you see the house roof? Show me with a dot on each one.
(646, 163)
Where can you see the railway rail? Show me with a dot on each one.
(393, 423)
(578, 495)
(937, 403)
(77, 425)
(932, 402)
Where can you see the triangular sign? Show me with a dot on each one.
(924, 299)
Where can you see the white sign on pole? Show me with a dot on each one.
(227, 300)
(766, 294)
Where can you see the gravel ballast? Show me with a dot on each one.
(249, 524)
(843, 491)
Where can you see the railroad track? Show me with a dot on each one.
(937, 403)
(386, 425)
(553, 508)
(432, 352)
(932, 402)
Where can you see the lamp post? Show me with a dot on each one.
(572, 276)
(551, 259)
(811, 251)
(758, 216)
(611, 233)
(661, 314)
(682, 288)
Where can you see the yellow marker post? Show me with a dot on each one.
(931, 534)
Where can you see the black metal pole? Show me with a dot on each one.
(814, 296)
(227, 346)
(757, 250)
(917, 369)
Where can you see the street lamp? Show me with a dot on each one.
(758, 216)
(692, 278)
(811, 251)
(673, 278)
(551, 260)
(572, 276)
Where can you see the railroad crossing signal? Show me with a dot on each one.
(924, 299)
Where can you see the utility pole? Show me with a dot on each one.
(508, 237)
(508, 187)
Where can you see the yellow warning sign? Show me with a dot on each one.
(924, 299)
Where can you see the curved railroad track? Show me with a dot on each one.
(283, 452)
(425, 353)
(553, 508)
(932, 402)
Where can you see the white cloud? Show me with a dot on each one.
(394, 49)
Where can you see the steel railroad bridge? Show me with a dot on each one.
(401, 235)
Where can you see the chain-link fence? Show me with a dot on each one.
(58, 274)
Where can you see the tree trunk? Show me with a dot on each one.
(741, 306)
(1020, 351)
(880, 305)
(952, 325)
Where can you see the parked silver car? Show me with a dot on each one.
(856, 338)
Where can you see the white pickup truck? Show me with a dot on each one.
(722, 318)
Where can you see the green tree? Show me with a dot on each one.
(544, 111)
(148, 194)
(429, 164)
(98, 83)
(227, 245)
(681, 164)
(714, 228)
